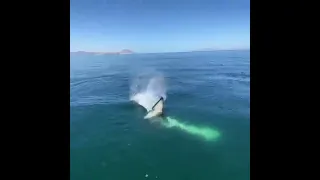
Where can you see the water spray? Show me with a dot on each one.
(146, 90)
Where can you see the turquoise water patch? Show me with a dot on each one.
(204, 132)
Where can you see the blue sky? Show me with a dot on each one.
(159, 25)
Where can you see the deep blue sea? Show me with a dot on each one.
(110, 139)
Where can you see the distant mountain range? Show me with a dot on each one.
(128, 51)
(124, 51)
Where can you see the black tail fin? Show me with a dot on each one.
(161, 99)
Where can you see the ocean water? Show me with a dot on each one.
(110, 140)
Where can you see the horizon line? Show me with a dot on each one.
(133, 52)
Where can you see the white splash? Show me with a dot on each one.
(147, 88)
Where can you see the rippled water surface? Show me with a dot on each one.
(110, 139)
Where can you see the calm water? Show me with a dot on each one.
(110, 140)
